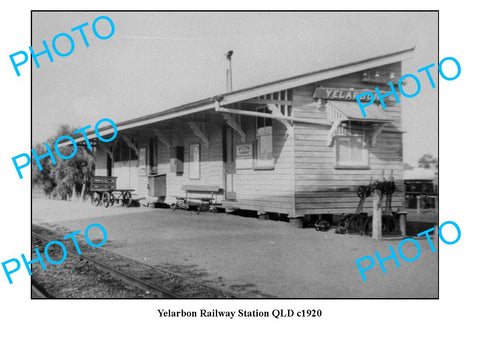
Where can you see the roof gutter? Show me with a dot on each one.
(175, 113)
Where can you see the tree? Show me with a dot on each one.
(67, 174)
(427, 161)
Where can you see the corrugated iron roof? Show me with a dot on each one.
(352, 111)
(255, 91)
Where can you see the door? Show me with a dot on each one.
(109, 165)
(125, 167)
(121, 170)
(133, 174)
(229, 163)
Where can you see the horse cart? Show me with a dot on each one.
(103, 191)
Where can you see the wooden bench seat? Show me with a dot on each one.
(201, 196)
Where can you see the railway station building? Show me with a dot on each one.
(297, 146)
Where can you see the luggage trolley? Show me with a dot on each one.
(103, 190)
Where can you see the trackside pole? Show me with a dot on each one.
(377, 215)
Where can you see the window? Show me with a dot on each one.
(352, 151)
(264, 141)
(194, 162)
(152, 155)
(123, 153)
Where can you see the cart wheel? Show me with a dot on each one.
(344, 219)
(112, 200)
(106, 199)
(95, 199)
(322, 225)
(351, 224)
(363, 223)
(204, 206)
(388, 223)
(127, 199)
(361, 190)
(369, 226)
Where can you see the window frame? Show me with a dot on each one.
(365, 163)
(197, 166)
(153, 156)
(271, 162)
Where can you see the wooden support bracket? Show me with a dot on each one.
(376, 132)
(199, 133)
(130, 144)
(106, 150)
(235, 126)
(321, 104)
(276, 111)
(332, 131)
(162, 138)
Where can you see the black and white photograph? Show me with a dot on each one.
(226, 155)
(238, 170)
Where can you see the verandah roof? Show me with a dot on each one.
(350, 111)
(210, 104)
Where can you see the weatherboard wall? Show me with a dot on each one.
(320, 187)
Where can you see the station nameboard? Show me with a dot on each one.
(335, 93)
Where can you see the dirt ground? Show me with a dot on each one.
(268, 256)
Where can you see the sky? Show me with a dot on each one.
(157, 60)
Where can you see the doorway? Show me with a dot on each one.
(229, 162)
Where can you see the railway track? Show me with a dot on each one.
(38, 292)
(160, 283)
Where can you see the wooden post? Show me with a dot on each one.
(82, 194)
(436, 204)
(419, 201)
(403, 222)
(74, 193)
(377, 215)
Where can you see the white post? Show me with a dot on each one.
(377, 215)
(403, 223)
(82, 195)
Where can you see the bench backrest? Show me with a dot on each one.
(103, 183)
(201, 188)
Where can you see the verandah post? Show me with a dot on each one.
(377, 215)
